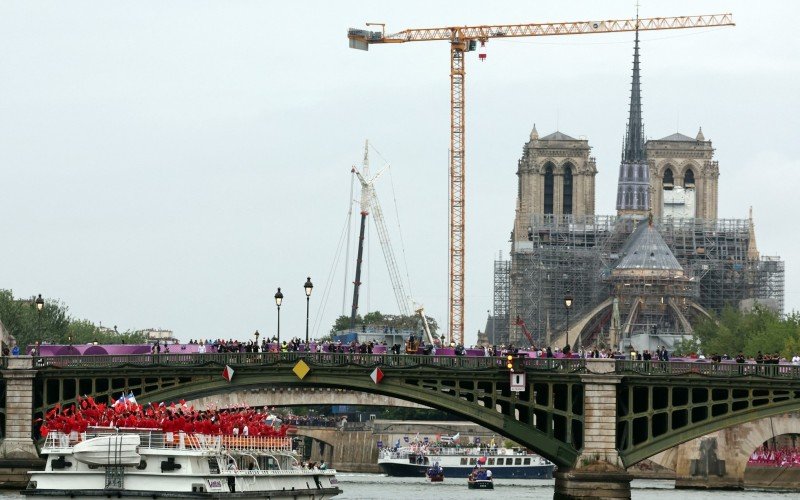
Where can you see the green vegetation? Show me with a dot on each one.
(54, 325)
(733, 331)
(379, 321)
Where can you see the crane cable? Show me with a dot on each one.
(399, 227)
(348, 237)
(329, 281)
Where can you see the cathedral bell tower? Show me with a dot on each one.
(555, 178)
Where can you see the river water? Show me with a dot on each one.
(377, 486)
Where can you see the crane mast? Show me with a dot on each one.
(464, 39)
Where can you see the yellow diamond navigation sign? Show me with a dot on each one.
(301, 369)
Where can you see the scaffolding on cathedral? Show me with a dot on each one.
(577, 253)
(499, 320)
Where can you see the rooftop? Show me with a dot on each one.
(678, 137)
(558, 136)
(646, 250)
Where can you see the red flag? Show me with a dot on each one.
(227, 373)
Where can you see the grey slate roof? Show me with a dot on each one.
(678, 137)
(558, 136)
(646, 250)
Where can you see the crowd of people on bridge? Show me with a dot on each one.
(785, 456)
(417, 344)
(74, 419)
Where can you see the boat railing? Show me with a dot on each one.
(158, 439)
(454, 451)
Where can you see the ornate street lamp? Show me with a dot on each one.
(568, 305)
(39, 307)
(256, 335)
(94, 342)
(308, 287)
(278, 302)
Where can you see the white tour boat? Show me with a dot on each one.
(414, 461)
(147, 463)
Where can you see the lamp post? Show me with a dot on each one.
(278, 301)
(308, 287)
(494, 332)
(39, 307)
(568, 306)
(69, 339)
(256, 335)
(94, 342)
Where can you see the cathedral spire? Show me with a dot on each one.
(634, 138)
(633, 190)
(752, 248)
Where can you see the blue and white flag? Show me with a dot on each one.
(131, 399)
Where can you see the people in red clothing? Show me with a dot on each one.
(765, 456)
(74, 419)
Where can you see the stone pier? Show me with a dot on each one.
(18, 453)
(598, 473)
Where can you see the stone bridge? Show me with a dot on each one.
(347, 449)
(719, 460)
(592, 418)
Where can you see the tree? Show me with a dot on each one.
(27, 324)
(342, 323)
(734, 331)
(53, 325)
(378, 320)
(373, 318)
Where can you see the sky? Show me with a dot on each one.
(170, 164)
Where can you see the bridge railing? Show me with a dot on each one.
(725, 370)
(466, 363)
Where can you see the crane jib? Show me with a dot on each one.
(483, 33)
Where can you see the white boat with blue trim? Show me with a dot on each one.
(145, 463)
(458, 461)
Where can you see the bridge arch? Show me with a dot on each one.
(448, 398)
(732, 447)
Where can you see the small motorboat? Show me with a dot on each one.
(480, 484)
(480, 479)
(435, 473)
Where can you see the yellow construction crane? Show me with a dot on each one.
(465, 39)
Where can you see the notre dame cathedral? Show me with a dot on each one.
(640, 278)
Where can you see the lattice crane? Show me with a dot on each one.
(465, 39)
(370, 203)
